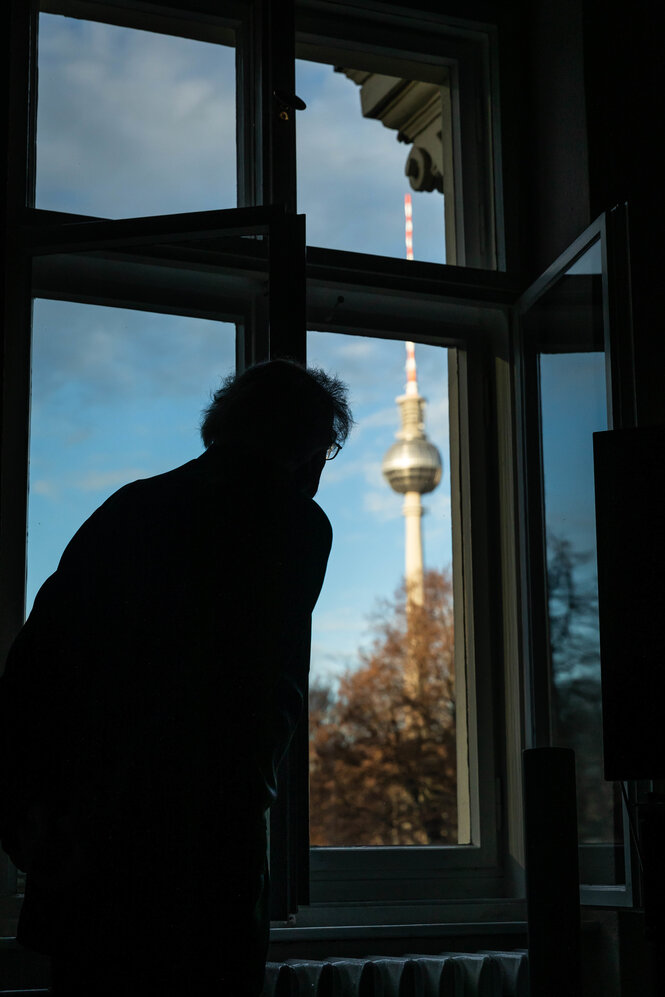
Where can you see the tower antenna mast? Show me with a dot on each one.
(412, 465)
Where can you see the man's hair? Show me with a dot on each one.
(289, 407)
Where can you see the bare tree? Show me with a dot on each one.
(576, 701)
(382, 748)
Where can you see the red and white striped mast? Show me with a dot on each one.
(408, 226)
(411, 379)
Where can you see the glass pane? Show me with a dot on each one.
(382, 731)
(358, 137)
(573, 401)
(133, 123)
(116, 395)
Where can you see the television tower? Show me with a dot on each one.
(412, 466)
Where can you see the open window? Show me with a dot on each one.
(575, 377)
(124, 317)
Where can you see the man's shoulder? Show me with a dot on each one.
(129, 507)
(142, 490)
(319, 518)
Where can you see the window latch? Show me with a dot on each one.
(287, 102)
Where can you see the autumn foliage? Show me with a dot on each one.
(382, 746)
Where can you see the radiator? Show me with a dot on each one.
(483, 974)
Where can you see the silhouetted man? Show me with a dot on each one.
(152, 692)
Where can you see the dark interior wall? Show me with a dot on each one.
(544, 162)
(555, 132)
(544, 154)
(626, 126)
(587, 114)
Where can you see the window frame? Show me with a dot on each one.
(437, 296)
(383, 32)
(481, 386)
(450, 299)
(610, 230)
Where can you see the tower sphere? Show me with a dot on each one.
(412, 465)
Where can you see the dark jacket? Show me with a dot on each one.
(147, 702)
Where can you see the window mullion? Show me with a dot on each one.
(274, 61)
(287, 311)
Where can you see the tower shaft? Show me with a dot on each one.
(413, 514)
(412, 466)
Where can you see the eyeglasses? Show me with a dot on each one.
(333, 450)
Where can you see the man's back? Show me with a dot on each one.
(147, 702)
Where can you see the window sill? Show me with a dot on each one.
(358, 939)
(395, 919)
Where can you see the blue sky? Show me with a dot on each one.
(132, 123)
(573, 406)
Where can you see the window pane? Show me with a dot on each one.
(359, 134)
(133, 123)
(382, 732)
(116, 395)
(573, 407)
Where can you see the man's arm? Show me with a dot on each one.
(46, 712)
(278, 639)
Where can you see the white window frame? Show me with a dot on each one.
(442, 310)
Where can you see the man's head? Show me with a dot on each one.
(291, 413)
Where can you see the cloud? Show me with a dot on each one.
(345, 619)
(133, 122)
(385, 504)
(342, 469)
(94, 481)
(60, 485)
(437, 504)
(381, 418)
(363, 465)
(356, 349)
(90, 355)
(337, 636)
(42, 486)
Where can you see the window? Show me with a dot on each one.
(357, 154)
(389, 776)
(424, 110)
(188, 229)
(133, 122)
(449, 335)
(571, 390)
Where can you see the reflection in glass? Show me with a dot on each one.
(133, 123)
(116, 395)
(382, 723)
(567, 324)
(365, 140)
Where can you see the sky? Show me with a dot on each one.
(573, 400)
(134, 123)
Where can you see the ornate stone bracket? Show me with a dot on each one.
(414, 109)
